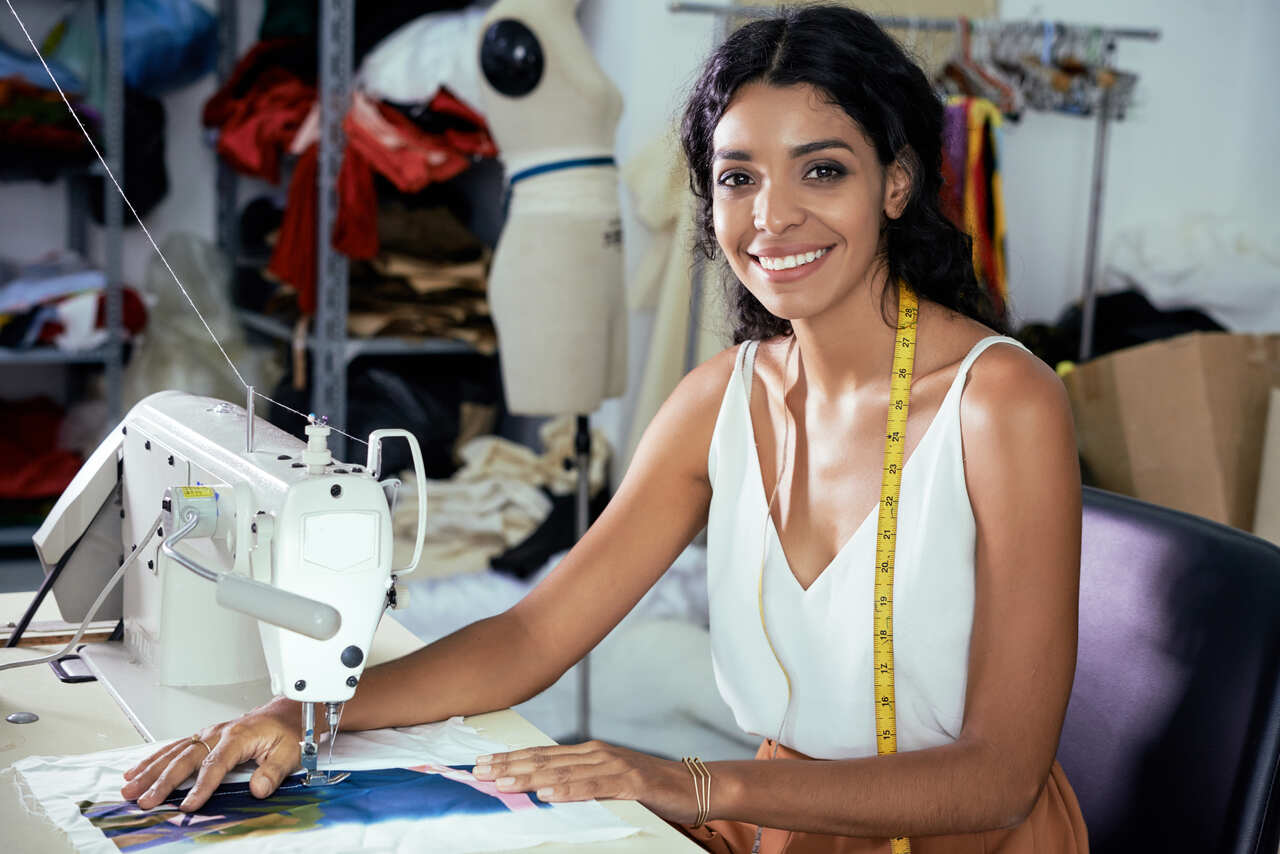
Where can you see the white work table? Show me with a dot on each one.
(83, 718)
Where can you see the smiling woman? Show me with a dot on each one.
(892, 508)
(886, 123)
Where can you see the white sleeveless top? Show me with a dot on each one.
(823, 635)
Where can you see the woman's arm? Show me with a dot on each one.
(496, 663)
(506, 659)
(1024, 485)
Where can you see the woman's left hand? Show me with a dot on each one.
(581, 772)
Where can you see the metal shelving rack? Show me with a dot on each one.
(111, 354)
(332, 350)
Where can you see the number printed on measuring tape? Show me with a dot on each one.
(886, 545)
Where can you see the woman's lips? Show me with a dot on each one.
(791, 274)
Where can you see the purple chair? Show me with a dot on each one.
(1172, 734)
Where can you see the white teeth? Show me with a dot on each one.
(787, 262)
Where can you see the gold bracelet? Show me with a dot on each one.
(701, 788)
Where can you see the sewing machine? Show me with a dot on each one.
(259, 565)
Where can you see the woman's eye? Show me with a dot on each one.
(825, 171)
(734, 179)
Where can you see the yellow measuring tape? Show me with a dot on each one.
(904, 353)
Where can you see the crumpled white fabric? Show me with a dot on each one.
(438, 49)
(1227, 267)
(495, 501)
(53, 786)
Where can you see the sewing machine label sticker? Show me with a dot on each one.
(406, 786)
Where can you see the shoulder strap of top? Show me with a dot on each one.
(747, 368)
(977, 350)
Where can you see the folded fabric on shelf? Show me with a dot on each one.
(37, 135)
(432, 233)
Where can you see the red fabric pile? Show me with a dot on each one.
(31, 463)
(264, 111)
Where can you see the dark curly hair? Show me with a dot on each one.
(844, 54)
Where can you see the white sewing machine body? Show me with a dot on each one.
(280, 515)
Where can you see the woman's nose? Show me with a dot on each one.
(776, 209)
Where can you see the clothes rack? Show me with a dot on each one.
(1109, 36)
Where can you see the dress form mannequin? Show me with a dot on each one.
(556, 284)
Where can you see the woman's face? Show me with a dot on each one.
(798, 196)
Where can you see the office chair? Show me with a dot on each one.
(1172, 732)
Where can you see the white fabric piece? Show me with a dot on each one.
(1228, 268)
(438, 49)
(58, 784)
(79, 315)
(823, 634)
(494, 501)
(26, 292)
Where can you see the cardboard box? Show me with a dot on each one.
(1179, 422)
(1266, 517)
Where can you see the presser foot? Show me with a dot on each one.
(311, 776)
(320, 778)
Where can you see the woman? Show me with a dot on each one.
(814, 146)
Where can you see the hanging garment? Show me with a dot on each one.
(971, 196)
(37, 136)
(822, 634)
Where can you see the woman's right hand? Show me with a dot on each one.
(269, 735)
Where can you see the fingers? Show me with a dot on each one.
(180, 766)
(569, 773)
(610, 787)
(227, 753)
(525, 761)
(272, 769)
(135, 770)
(145, 772)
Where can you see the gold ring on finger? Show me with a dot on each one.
(196, 739)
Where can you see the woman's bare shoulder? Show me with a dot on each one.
(1011, 390)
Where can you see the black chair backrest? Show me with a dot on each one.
(1173, 730)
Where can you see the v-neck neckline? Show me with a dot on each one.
(759, 478)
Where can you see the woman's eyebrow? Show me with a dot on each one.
(796, 151)
(810, 147)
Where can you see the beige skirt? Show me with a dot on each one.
(1055, 826)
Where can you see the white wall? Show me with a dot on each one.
(1201, 137)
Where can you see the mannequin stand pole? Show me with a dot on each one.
(582, 448)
